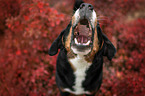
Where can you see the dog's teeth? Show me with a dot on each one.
(76, 41)
(87, 43)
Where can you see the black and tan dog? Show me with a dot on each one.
(82, 47)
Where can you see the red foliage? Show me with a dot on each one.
(24, 70)
(133, 43)
(30, 26)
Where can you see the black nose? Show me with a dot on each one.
(86, 5)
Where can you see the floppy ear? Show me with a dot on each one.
(109, 49)
(56, 45)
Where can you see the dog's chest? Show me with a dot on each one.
(81, 66)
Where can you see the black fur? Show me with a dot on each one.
(77, 4)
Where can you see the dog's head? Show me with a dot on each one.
(83, 35)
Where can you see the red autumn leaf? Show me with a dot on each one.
(125, 0)
(40, 5)
(26, 18)
(25, 51)
(41, 11)
(9, 25)
(18, 52)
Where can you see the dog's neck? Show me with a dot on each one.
(80, 56)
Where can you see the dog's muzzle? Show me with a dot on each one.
(84, 22)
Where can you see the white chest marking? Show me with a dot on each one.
(81, 65)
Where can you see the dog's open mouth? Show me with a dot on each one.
(83, 33)
(82, 38)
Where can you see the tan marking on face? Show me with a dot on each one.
(95, 23)
(73, 19)
(68, 40)
(96, 41)
(89, 58)
(70, 54)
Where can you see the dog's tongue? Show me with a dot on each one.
(82, 39)
(83, 33)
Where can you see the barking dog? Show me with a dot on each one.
(82, 47)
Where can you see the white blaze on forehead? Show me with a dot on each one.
(93, 19)
(76, 17)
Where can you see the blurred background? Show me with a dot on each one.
(28, 27)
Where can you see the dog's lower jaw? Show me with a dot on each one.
(82, 52)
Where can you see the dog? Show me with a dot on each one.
(82, 47)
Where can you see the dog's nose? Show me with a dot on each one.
(86, 5)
